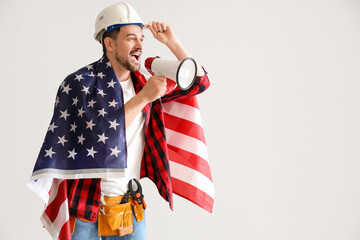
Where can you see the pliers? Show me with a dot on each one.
(137, 195)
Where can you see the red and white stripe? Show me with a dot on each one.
(189, 164)
(56, 217)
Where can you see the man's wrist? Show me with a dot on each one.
(173, 44)
(142, 99)
(139, 100)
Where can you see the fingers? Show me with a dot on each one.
(159, 26)
(161, 32)
(155, 88)
(161, 85)
(159, 78)
(152, 30)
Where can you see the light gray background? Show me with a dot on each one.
(282, 117)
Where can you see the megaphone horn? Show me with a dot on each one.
(182, 72)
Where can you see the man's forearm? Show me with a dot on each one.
(164, 34)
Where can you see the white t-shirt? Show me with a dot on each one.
(135, 138)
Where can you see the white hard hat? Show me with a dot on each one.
(118, 13)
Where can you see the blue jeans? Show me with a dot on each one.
(89, 231)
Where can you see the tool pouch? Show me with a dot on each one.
(139, 212)
(115, 219)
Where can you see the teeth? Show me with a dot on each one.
(136, 55)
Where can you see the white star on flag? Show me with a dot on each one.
(73, 126)
(101, 92)
(49, 152)
(72, 154)
(67, 89)
(81, 112)
(111, 84)
(108, 64)
(57, 101)
(62, 140)
(101, 75)
(89, 67)
(112, 103)
(102, 112)
(91, 103)
(92, 74)
(62, 85)
(64, 114)
(79, 77)
(113, 124)
(91, 152)
(52, 127)
(85, 89)
(102, 138)
(75, 100)
(114, 151)
(81, 139)
(90, 124)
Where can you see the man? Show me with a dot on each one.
(121, 132)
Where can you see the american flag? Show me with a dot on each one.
(79, 144)
(86, 136)
(189, 163)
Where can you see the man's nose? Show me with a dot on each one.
(138, 43)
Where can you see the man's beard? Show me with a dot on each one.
(126, 64)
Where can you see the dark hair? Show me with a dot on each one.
(113, 35)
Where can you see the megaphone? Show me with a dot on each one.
(182, 72)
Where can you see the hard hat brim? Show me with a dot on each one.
(98, 35)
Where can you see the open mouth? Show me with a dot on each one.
(135, 56)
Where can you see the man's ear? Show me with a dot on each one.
(109, 44)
